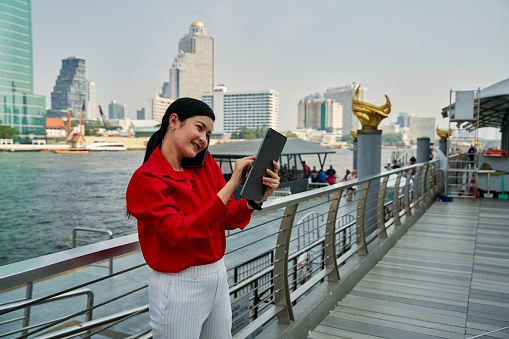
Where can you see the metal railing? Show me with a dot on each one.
(461, 175)
(271, 267)
(109, 233)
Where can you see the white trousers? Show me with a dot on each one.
(194, 303)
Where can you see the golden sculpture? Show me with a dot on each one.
(443, 134)
(370, 115)
(354, 134)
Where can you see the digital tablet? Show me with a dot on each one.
(270, 149)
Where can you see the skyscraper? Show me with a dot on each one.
(116, 110)
(70, 90)
(20, 107)
(192, 71)
(344, 95)
(91, 107)
(253, 109)
(316, 112)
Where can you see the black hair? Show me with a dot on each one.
(184, 108)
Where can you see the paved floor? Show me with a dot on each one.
(448, 277)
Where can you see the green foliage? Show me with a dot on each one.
(89, 131)
(348, 138)
(391, 138)
(246, 133)
(8, 132)
(291, 135)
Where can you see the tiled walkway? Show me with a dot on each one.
(448, 277)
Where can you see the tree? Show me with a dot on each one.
(347, 138)
(8, 132)
(246, 133)
(391, 138)
(291, 135)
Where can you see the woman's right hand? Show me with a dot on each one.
(241, 169)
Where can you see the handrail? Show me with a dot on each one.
(282, 296)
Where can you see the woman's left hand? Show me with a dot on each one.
(271, 182)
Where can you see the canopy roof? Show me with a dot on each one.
(494, 109)
(237, 150)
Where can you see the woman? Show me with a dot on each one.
(182, 216)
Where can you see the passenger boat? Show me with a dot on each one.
(71, 151)
(105, 146)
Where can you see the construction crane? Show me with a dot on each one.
(102, 116)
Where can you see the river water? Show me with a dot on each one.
(44, 195)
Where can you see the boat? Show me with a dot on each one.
(71, 151)
(105, 146)
(491, 152)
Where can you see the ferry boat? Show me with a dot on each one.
(105, 146)
(71, 151)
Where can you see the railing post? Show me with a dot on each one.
(406, 197)
(330, 238)
(417, 180)
(361, 207)
(26, 315)
(380, 209)
(395, 199)
(281, 286)
(429, 184)
(424, 178)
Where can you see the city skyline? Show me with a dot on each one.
(415, 53)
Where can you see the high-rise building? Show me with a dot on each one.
(233, 110)
(344, 96)
(192, 71)
(20, 108)
(404, 119)
(70, 90)
(116, 110)
(420, 127)
(253, 109)
(91, 101)
(140, 114)
(316, 112)
(165, 91)
(156, 106)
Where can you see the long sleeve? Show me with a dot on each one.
(148, 201)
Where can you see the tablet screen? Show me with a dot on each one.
(270, 149)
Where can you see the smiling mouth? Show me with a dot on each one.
(196, 146)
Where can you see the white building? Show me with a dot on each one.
(91, 107)
(420, 127)
(192, 71)
(316, 112)
(344, 95)
(251, 109)
(156, 106)
(390, 128)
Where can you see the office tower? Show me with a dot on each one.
(20, 108)
(156, 106)
(91, 101)
(316, 112)
(404, 118)
(253, 109)
(192, 71)
(116, 110)
(165, 91)
(344, 95)
(70, 90)
(140, 114)
(420, 127)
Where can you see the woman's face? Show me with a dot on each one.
(190, 137)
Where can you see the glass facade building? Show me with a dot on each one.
(70, 90)
(19, 107)
(116, 110)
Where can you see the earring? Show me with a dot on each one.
(173, 128)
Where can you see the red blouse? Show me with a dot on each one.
(181, 219)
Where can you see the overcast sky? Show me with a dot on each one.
(413, 51)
